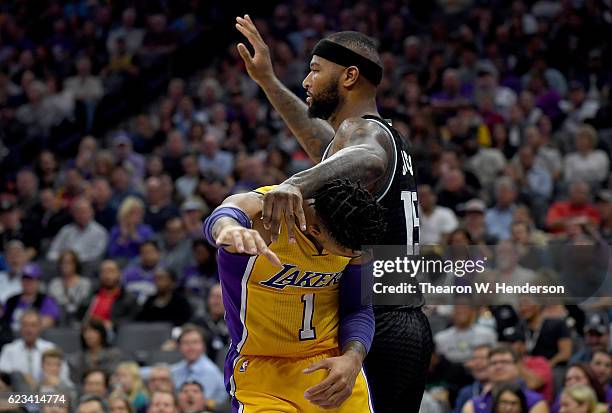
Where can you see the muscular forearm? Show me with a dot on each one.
(313, 134)
(355, 163)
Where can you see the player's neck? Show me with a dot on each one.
(353, 109)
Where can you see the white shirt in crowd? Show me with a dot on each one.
(441, 221)
(17, 357)
(89, 244)
(457, 345)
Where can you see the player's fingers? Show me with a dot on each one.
(263, 249)
(240, 26)
(244, 53)
(301, 218)
(254, 28)
(322, 396)
(238, 244)
(250, 31)
(290, 221)
(266, 212)
(250, 247)
(275, 220)
(322, 364)
(222, 238)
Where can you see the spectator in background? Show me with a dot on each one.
(504, 369)
(160, 379)
(159, 208)
(587, 164)
(91, 404)
(580, 398)
(105, 211)
(546, 337)
(70, 291)
(509, 397)
(174, 151)
(193, 211)
(11, 228)
(95, 383)
(478, 365)
(121, 184)
(499, 218)
(601, 364)
(112, 304)
(47, 170)
(31, 297)
(24, 355)
(130, 232)
(596, 338)
(27, 190)
(163, 402)
(85, 237)
(454, 190)
(124, 155)
(535, 371)
(166, 305)
(51, 380)
(546, 154)
(176, 246)
(474, 221)
(159, 40)
(47, 218)
(457, 343)
(191, 398)
(128, 31)
(96, 351)
(212, 159)
(202, 275)
(580, 375)
(435, 221)
(119, 403)
(196, 366)
(85, 87)
(561, 213)
(10, 280)
(187, 183)
(214, 325)
(127, 379)
(138, 278)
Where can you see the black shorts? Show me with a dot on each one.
(397, 364)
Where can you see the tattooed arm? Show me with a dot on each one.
(313, 134)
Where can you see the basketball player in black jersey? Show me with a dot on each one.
(340, 129)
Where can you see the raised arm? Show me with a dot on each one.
(364, 159)
(313, 134)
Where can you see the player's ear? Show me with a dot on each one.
(350, 76)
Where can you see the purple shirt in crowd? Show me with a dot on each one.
(484, 403)
(118, 248)
(139, 281)
(48, 307)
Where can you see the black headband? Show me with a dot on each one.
(344, 56)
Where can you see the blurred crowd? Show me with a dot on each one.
(109, 164)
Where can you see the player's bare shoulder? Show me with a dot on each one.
(359, 131)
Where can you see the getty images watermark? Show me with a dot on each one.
(495, 274)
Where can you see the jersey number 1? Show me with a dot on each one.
(412, 220)
(307, 332)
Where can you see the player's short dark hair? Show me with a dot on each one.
(359, 43)
(350, 214)
(87, 398)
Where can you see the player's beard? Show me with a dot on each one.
(325, 103)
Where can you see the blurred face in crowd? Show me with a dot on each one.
(48, 200)
(27, 183)
(120, 179)
(596, 340)
(478, 364)
(506, 256)
(67, 264)
(154, 191)
(92, 406)
(160, 379)
(15, 256)
(110, 274)
(453, 180)
(191, 398)
(51, 366)
(30, 327)
(82, 213)
(95, 384)
(579, 193)
(505, 195)
(201, 254)
(528, 310)
(125, 379)
(47, 162)
(92, 338)
(575, 376)
(102, 192)
(149, 255)
(162, 402)
(502, 368)
(29, 285)
(569, 405)
(427, 198)
(508, 403)
(463, 315)
(322, 88)
(175, 231)
(601, 364)
(164, 282)
(215, 301)
(191, 346)
(526, 157)
(118, 405)
(190, 165)
(47, 408)
(520, 233)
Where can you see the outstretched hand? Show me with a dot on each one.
(258, 65)
(246, 241)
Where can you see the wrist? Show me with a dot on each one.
(355, 351)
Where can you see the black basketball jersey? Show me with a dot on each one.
(399, 198)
